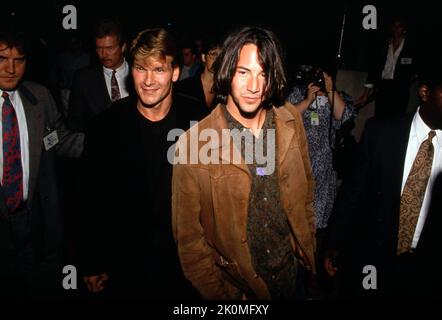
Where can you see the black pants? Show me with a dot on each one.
(23, 276)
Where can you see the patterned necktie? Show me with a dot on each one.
(115, 90)
(12, 181)
(413, 194)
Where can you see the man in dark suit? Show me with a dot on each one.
(129, 249)
(30, 218)
(391, 72)
(95, 87)
(383, 217)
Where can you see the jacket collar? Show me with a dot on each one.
(35, 123)
(227, 150)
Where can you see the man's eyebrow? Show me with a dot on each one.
(243, 68)
(16, 58)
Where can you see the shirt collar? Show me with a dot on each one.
(232, 123)
(119, 71)
(10, 93)
(421, 130)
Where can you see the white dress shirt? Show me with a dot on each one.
(184, 73)
(121, 74)
(24, 141)
(390, 62)
(418, 134)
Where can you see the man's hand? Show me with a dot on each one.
(96, 283)
(330, 262)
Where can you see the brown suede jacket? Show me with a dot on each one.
(209, 205)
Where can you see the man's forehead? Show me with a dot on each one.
(154, 60)
(4, 46)
(9, 51)
(108, 39)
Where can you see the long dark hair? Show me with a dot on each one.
(270, 58)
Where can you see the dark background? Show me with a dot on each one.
(309, 30)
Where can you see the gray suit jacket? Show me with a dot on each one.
(42, 117)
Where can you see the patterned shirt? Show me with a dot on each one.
(321, 136)
(268, 232)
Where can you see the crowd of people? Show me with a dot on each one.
(251, 209)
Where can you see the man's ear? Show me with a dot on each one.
(424, 92)
(175, 73)
(203, 57)
(123, 48)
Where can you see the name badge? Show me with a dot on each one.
(314, 119)
(260, 171)
(50, 140)
(406, 60)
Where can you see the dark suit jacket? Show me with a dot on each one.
(364, 227)
(127, 224)
(42, 116)
(89, 97)
(406, 64)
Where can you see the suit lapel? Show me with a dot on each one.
(395, 153)
(101, 82)
(399, 151)
(35, 122)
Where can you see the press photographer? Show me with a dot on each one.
(324, 110)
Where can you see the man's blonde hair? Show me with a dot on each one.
(154, 42)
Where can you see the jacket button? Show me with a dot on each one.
(255, 276)
(243, 240)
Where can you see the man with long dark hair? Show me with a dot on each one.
(243, 220)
